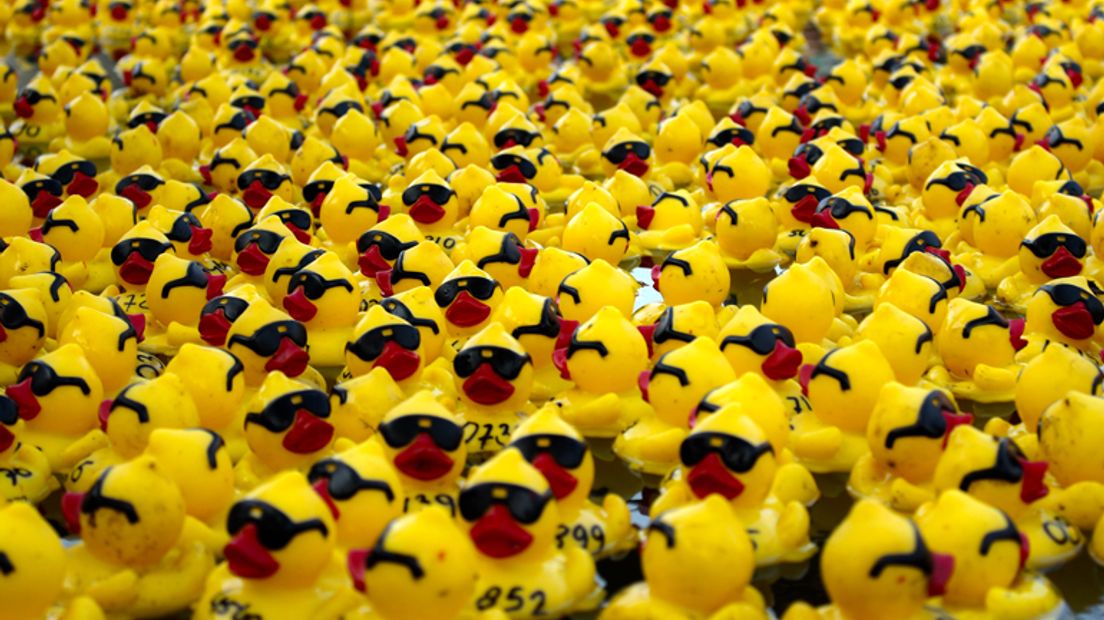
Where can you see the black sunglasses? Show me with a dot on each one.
(568, 452)
(279, 414)
(1047, 244)
(275, 530)
(370, 344)
(525, 505)
(402, 431)
(738, 454)
(270, 179)
(314, 285)
(763, 339)
(476, 286)
(266, 241)
(399, 309)
(64, 174)
(343, 482)
(505, 363)
(266, 340)
(149, 249)
(619, 152)
(14, 316)
(439, 194)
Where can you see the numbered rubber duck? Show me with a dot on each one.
(139, 553)
(494, 378)
(1049, 250)
(876, 563)
(1064, 310)
(58, 396)
(215, 383)
(995, 471)
(267, 340)
(281, 549)
(989, 554)
(286, 427)
(604, 357)
(843, 388)
(516, 549)
(424, 440)
(680, 581)
(363, 491)
(674, 386)
(753, 344)
(23, 323)
(908, 430)
(324, 298)
(560, 453)
(727, 454)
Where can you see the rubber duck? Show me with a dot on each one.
(221, 170)
(1049, 250)
(177, 291)
(63, 384)
(286, 427)
(1079, 479)
(416, 554)
(362, 489)
(18, 214)
(30, 479)
(746, 233)
(560, 453)
(995, 471)
(189, 237)
(350, 208)
(76, 175)
(139, 553)
(988, 226)
(225, 217)
(816, 285)
(494, 378)
(134, 254)
(266, 340)
(23, 322)
(1047, 379)
(255, 246)
(673, 387)
(38, 564)
(324, 298)
(988, 576)
(919, 295)
(681, 581)
(843, 389)
(423, 439)
(752, 344)
(584, 291)
(503, 255)
(876, 564)
(667, 329)
(281, 550)
(1067, 200)
(39, 117)
(498, 208)
(517, 548)
(384, 340)
(418, 307)
(977, 346)
(616, 357)
(907, 433)
(214, 381)
(1064, 310)
(752, 481)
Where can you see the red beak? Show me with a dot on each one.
(423, 460)
(137, 195)
(7, 438)
(485, 387)
(805, 209)
(425, 211)
(824, 219)
(83, 185)
(244, 53)
(1061, 264)
(799, 168)
(1015, 333)
(467, 311)
(644, 216)
(953, 421)
(299, 307)
(135, 269)
(642, 381)
(519, 25)
(322, 488)
(528, 259)
(942, 569)
(213, 328)
(23, 108)
(640, 48)
(24, 398)
(43, 202)
(256, 196)
(309, 433)
(252, 261)
(782, 363)
(497, 535)
(710, 476)
(1032, 486)
(289, 358)
(510, 175)
(200, 243)
(962, 196)
(70, 510)
(559, 479)
(372, 262)
(1074, 321)
(247, 558)
(399, 362)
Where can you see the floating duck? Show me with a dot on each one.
(362, 489)
(197, 461)
(508, 509)
(27, 470)
(37, 560)
(494, 377)
(977, 347)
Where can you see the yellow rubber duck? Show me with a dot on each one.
(26, 469)
(197, 461)
(977, 347)
(267, 340)
(286, 427)
(988, 580)
(683, 582)
(363, 491)
(876, 564)
(323, 297)
(673, 387)
(139, 553)
(1048, 251)
(177, 291)
(1065, 311)
(23, 323)
(282, 549)
(508, 509)
(37, 564)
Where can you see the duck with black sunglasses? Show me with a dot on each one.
(267, 340)
(287, 426)
(468, 296)
(28, 475)
(560, 453)
(728, 454)
(134, 254)
(537, 325)
(511, 515)
(363, 491)
(424, 441)
(325, 298)
(1066, 311)
(384, 340)
(282, 545)
(178, 291)
(494, 379)
(1049, 251)
(673, 387)
(23, 320)
(139, 555)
